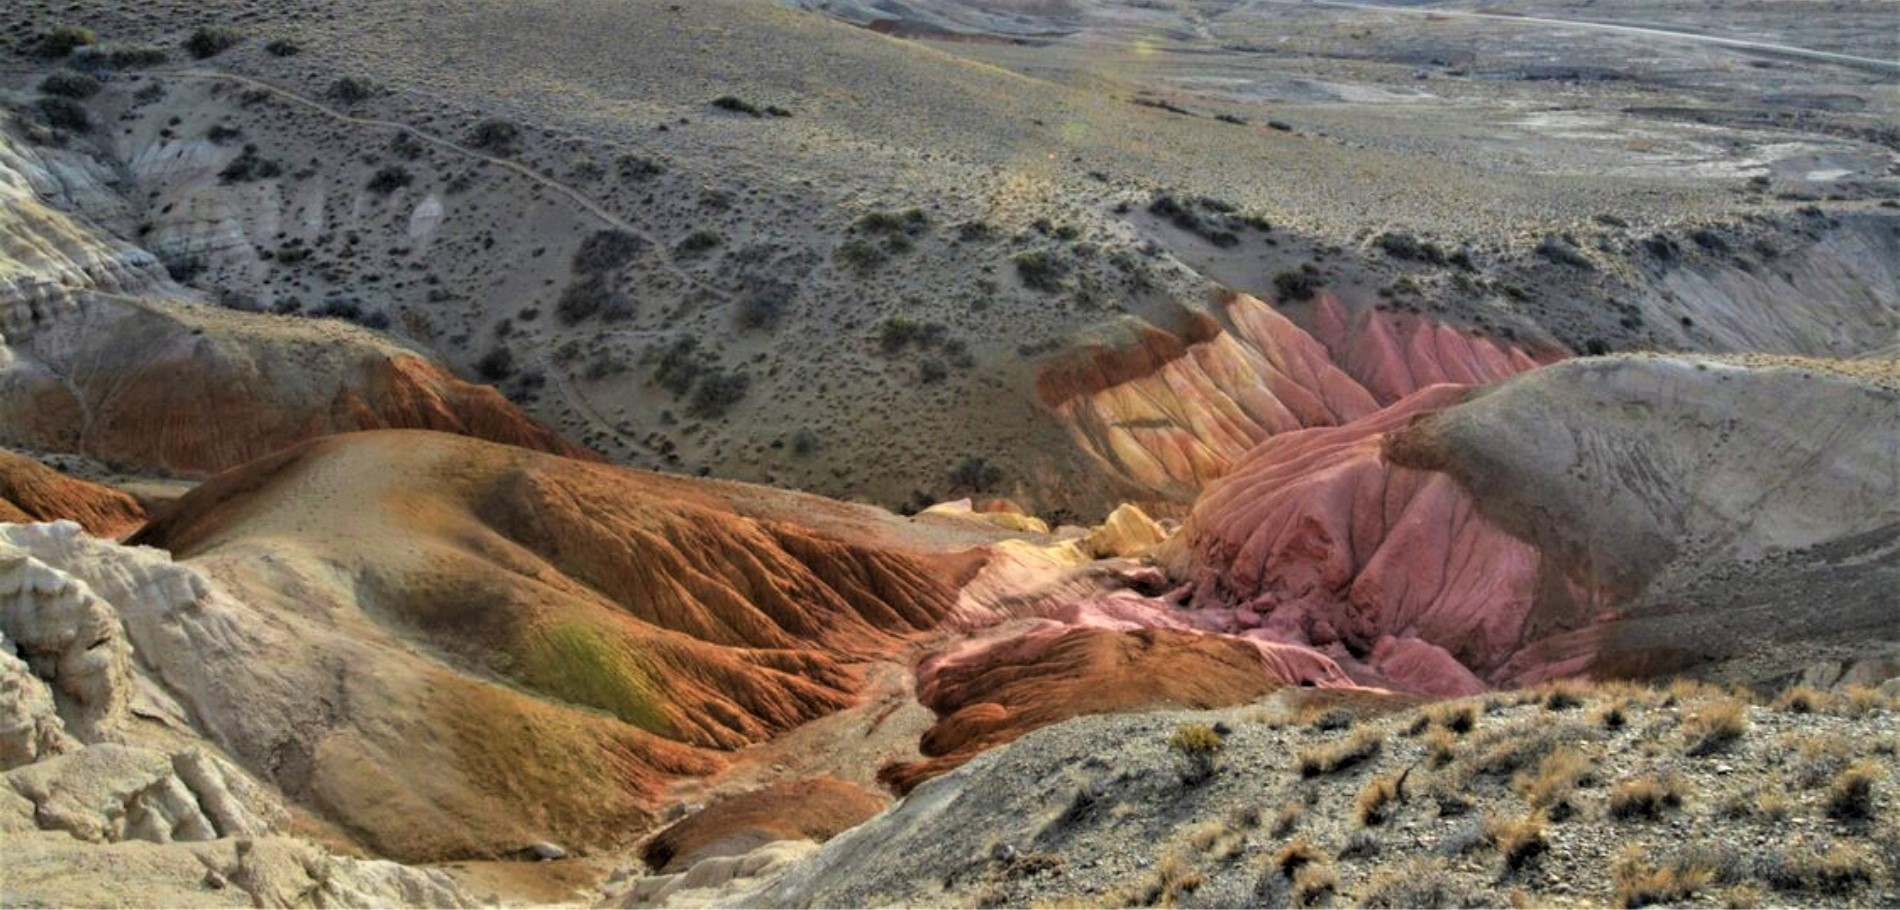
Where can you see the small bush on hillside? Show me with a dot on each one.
(498, 364)
(1296, 285)
(975, 474)
(718, 391)
(1521, 840)
(389, 179)
(1041, 270)
(1640, 884)
(63, 40)
(605, 251)
(859, 255)
(68, 84)
(351, 89)
(1646, 798)
(1851, 797)
(637, 167)
(1716, 726)
(496, 137)
(283, 47)
(65, 114)
(1196, 749)
(763, 309)
(698, 242)
(211, 41)
(737, 106)
(910, 221)
(1378, 799)
(1326, 758)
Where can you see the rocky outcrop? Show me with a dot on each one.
(30, 491)
(1169, 413)
(1600, 515)
(641, 623)
(816, 810)
(993, 689)
(69, 637)
(122, 810)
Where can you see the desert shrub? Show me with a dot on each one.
(1331, 720)
(1851, 796)
(1040, 270)
(680, 365)
(497, 137)
(248, 166)
(1314, 883)
(1563, 695)
(1818, 757)
(1339, 754)
(1831, 869)
(1456, 717)
(1378, 799)
(698, 242)
(1558, 250)
(1296, 284)
(282, 47)
(1441, 748)
(1554, 785)
(1424, 884)
(1400, 245)
(1646, 798)
(496, 365)
(389, 179)
(210, 41)
(589, 296)
(859, 255)
(910, 221)
(1860, 701)
(1613, 715)
(975, 474)
(1638, 883)
(1286, 820)
(736, 105)
(805, 442)
(932, 370)
(68, 84)
(406, 146)
(63, 40)
(223, 134)
(763, 309)
(718, 391)
(637, 167)
(1802, 700)
(605, 251)
(351, 89)
(98, 57)
(1520, 840)
(1716, 726)
(1196, 749)
(65, 114)
(1297, 854)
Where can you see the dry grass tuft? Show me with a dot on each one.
(1716, 726)
(1286, 821)
(1519, 840)
(1325, 758)
(1639, 884)
(1803, 700)
(1313, 884)
(1647, 798)
(1455, 717)
(1441, 748)
(1554, 785)
(1378, 799)
(1851, 797)
(1296, 855)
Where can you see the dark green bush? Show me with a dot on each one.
(211, 41)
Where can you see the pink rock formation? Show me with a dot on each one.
(1394, 355)
(1316, 539)
(1170, 413)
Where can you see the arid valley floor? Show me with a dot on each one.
(1210, 453)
